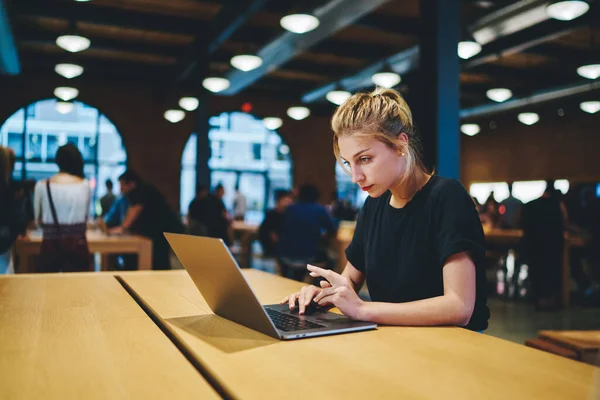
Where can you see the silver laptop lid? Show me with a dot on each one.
(218, 277)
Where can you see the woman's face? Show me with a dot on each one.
(374, 166)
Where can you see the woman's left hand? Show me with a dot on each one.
(341, 293)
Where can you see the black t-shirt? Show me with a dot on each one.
(156, 216)
(402, 251)
(273, 223)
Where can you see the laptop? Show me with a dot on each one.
(217, 276)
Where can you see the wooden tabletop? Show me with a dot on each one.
(577, 340)
(71, 336)
(390, 362)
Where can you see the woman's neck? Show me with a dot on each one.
(407, 189)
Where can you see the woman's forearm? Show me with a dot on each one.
(441, 310)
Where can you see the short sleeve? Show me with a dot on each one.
(355, 252)
(457, 224)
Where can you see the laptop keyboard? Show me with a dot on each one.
(288, 323)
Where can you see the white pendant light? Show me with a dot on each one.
(246, 62)
(338, 97)
(470, 129)
(63, 107)
(174, 116)
(299, 23)
(68, 71)
(468, 48)
(591, 107)
(272, 123)
(298, 113)
(215, 84)
(591, 71)
(386, 79)
(567, 10)
(499, 94)
(528, 118)
(66, 93)
(188, 103)
(73, 43)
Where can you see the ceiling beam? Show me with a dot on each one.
(396, 25)
(230, 18)
(333, 16)
(9, 57)
(90, 13)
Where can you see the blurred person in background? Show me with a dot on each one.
(61, 206)
(239, 205)
(218, 220)
(196, 218)
(108, 199)
(148, 215)
(510, 210)
(489, 213)
(8, 217)
(270, 229)
(306, 228)
(543, 225)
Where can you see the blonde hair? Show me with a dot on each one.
(382, 115)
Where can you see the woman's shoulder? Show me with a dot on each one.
(442, 186)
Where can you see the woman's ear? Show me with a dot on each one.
(402, 143)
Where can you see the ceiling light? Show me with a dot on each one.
(66, 93)
(499, 94)
(591, 71)
(272, 123)
(284, 149)
(215, 84)
(63, 107)
(386, 79)
(470, 129)
(591, 107)
(338, 97)
(246, 62)
(468, 48)
(174, 116)
(528, 118)
(299, 23)
(68, 71)
(567, 10)
(188, 103)
(298, 113)
(73, 43)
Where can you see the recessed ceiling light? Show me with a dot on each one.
(386, 79)
(468, 48)
(73, 43)
(174, 116)
(499, 94)
(338, 97)
(66, 93)
(590, 71)
(591, 107)
(272, 123)
(68, 71)
(528, 118)
(567, 10)
(298, 113)
(215, 84)
(188, 103)
(470, 129)
(299, 23)
(246, 62)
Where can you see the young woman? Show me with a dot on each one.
(418, 241)
(61, 207)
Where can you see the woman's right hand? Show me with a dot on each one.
(304, 296)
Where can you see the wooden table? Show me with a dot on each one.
(586, 344)
(82, 336)
(390, 362)
(508, 237)
(246, 233)
(98, 242)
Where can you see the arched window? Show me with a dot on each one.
(36, 131)
(243, 153)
